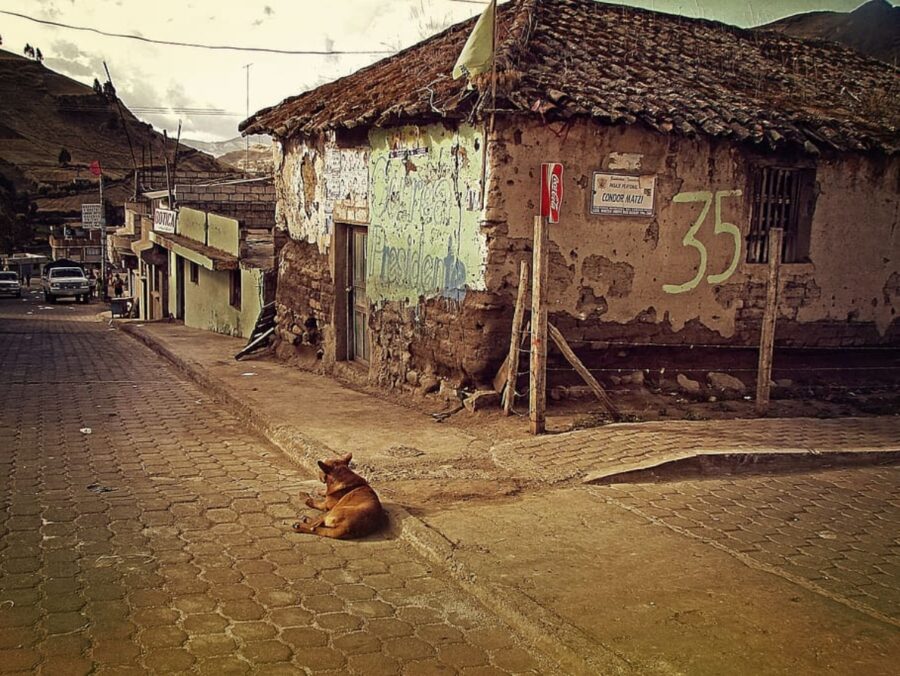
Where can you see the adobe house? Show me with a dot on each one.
(684, 141)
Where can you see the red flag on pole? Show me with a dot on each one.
(95, 168)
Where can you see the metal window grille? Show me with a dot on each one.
(776, 204)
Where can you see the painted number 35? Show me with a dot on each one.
(692, 241)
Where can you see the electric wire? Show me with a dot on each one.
(195, 45)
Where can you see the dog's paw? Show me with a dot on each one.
(310, 501)
(300, 526)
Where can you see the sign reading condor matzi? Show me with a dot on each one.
(622, 194)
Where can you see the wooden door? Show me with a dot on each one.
(357, 302)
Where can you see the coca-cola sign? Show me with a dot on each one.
(551, 190)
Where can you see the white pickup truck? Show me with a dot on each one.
(65, 282)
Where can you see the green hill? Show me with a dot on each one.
(42, 112)
(872, 28)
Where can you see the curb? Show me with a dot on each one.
(712, 464)
(552, 637)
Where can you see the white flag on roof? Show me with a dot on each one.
(478, 51)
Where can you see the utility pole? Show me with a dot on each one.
(102, 242)
(247, 156)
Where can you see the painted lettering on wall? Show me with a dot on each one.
(424, 237)
(690, 238)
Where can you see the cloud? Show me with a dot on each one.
(69, 59)
(70, 68)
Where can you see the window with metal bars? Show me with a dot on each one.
(782, 198)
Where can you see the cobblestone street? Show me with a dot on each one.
(834, 533)
(145, 530)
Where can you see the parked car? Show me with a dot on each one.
(65, 283)
(10, 285)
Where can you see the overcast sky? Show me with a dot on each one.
(156, 75)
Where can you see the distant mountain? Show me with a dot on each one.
(238, 143)
(43, 112)
(872, 28)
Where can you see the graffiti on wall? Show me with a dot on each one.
(424, 235)
(720, 227)
(347, 183)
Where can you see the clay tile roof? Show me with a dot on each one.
(620, 65)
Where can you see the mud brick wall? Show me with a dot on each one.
(633, 278)
(304, 298)
(463, 342)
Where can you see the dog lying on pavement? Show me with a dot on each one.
(351, 507)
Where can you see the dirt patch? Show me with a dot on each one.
(420, 495)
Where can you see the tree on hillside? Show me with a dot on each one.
(109, 91)
(98, 88)
(29, 50)
(38, 55)
(64, 158)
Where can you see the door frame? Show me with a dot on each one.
(343, 302)
(179, 288)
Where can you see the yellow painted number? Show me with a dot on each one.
(720, 228)
(732, 230)
(689, 240)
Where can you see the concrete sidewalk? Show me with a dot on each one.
(311, 416)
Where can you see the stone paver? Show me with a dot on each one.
(615, 449)
(158, 541)
(833, 532)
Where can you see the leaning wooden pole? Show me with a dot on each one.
(537, 391)
(767, 337)
(582, 370)
(515, 341)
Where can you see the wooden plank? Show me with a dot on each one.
(586, 375)
(499, 381)
(537, 386)
(515, 341)
(767, 335)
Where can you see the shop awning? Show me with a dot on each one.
(194, 251)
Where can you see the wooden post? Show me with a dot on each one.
(537, 391)
(586, 375)
(515, 341)
(767, 337)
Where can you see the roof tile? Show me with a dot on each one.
(562, 58)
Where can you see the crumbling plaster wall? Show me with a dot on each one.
(644, 278)
(426, 251)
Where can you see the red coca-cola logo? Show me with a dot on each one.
(551, 190)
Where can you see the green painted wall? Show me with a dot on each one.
(207, 303)
(192, 224)
(223, 233)
(425, 209)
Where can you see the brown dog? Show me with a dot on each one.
(351, 507)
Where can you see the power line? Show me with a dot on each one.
(194, 45)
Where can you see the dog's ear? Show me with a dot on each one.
(322, 466)
(347, 458)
